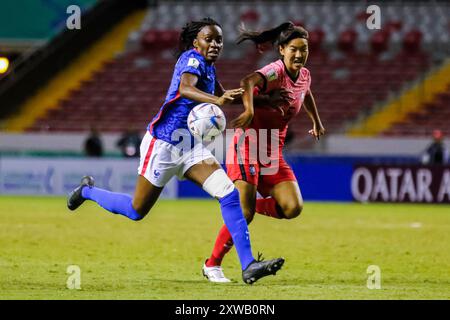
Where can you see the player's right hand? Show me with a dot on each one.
(229, 96)
(317, 130)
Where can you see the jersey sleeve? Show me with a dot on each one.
(272, 74)
(191, 64)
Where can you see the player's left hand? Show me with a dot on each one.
(243, 121)
(317, 130)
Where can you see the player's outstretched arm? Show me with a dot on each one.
(311, 109)
(228, 96)
(274, 98)
(189, 90)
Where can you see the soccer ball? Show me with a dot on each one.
(206, 121)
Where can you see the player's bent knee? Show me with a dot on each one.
(248, 214)
(292, 211)
(140, 210)
(218, 184)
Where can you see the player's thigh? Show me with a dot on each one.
(247, 196)
(145, 196)
(157, 166)
(289, 198)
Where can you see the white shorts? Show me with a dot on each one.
(160, 160)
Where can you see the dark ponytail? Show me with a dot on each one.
(280, 35)
(190, 31)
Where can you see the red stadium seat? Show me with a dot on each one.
(251, 16)
(159, 39)
(412, 41)
(347, 40)
(393, 26)
(362, 16)
(315, 39)
(380, 41)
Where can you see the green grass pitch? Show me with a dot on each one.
(327, 251)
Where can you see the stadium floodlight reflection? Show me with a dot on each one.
(4, 64)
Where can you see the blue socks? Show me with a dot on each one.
(118, 203)
(230, 206)
(237, 225)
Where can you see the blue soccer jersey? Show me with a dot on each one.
(175, 110)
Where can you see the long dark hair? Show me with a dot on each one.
(280, 35)
(190, 31)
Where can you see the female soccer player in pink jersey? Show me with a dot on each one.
(273, 179)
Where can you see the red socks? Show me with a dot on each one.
(224, 241)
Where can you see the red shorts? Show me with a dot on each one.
(263, 176)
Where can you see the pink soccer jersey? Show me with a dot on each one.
(276, 78)
(268, 117)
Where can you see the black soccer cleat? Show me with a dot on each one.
(259, 269)
(75, 199)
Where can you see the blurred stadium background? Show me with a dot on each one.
(383, 94)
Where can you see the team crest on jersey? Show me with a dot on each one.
(252, 170)
(193, 63)
(271, 75)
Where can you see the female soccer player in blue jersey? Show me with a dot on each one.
(193, 82)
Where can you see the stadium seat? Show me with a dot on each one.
(347, 40)
(159, 39)
(250, 16)
(315, 40)
(380, 41)
(412, 41)
(393, 26)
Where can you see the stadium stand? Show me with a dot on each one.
(432, 116)
(354, 69)
(411, 100)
